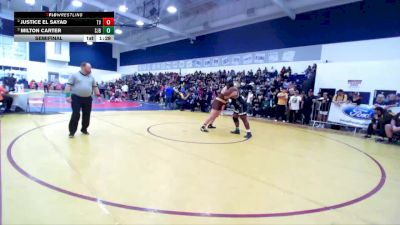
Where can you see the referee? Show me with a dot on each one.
(78, 92)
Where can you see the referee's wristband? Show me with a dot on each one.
(67, 95)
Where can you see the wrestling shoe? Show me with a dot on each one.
(211, 126)
(235, 132)
(203, 129)
(248, 136)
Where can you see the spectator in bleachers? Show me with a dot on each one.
(116, 95)
(125, 89)
(35, 85)
(46, 86)
(183, 100)
(283, 72)
(257, 111)
(267, 106)
(102, 89)
(289, 71)
(169, 93)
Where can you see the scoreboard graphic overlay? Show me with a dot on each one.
(64, 26)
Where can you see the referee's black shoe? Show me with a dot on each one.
(85, 132)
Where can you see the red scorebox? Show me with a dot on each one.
(108, 21)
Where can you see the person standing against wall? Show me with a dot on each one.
(78, 92)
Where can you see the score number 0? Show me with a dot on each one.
(105, 22)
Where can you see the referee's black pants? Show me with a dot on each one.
(78, 103)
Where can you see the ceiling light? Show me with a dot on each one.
(172, 9)
(76, 3)
(123, 8)
(139, 23)
(30, 2)
(118, 31)
(89, 43)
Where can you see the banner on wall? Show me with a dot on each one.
(181, 64)
(162, 66)
(215, 61)
(226, 61)
(259, 57)
(175, 64)
(354, 84)
(247, 59)
(197, 63)
(280, 55)
(236, 60)
(351, 115)
(288, 56)
(189, 64)
(273, 57)
(207, 62)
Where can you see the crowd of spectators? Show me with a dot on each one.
(45, 85)
(196, 91)
(281, 96)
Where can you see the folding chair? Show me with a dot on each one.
(36, 98)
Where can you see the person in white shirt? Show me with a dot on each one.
(294, 106)
(125, 89)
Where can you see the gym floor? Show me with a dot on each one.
(156, 167)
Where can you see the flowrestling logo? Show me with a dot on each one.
(359, 112)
